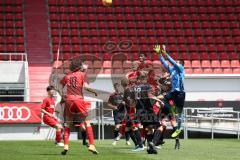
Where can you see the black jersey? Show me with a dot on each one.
(142, 91)
(129, 99)
(142, 96)
(116, 99)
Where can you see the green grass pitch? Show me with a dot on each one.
(193, 149)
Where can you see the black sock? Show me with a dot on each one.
(162, 137)
(138, 138)
(174, 129)
(84, 136)
(132, 137)
(115, 133)
(149, 137)
(156, 136)
(127, 136)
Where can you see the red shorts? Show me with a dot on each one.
(77, 106)
(131, 112)
(155, 109)
(52, 122)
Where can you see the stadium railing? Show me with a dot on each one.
(13, 57)
(17, 57)
(212, 120)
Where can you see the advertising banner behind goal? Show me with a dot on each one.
(20, 113)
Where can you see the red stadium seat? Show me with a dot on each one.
(204, 56)
(20, 48)
(97, 64)
(206, 64)
(223, 56)
(184, 56)
(10, 40)
(190, 40)
(181, 40)
(187, 64)
(236, 71)
(194, 56)
(225, 64)
(106, 57)
(213, 56)
(197, 71)
(217, 71)
(90, 71)
(174, 55)
(227, 71)
(188, 71)
(99, 71)
(117, 64)
(196, 64)
(219, 40)
(235, 63)
(215, 64)
(107, 64)
(118, 71)
(181, 48)
(207, 71)
(211, 48)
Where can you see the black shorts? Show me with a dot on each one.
(179, 98)
(144, 104)
(118, 117)
(150, 119)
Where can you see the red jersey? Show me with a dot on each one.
(132, 77)
(48, 104)
(151, 73)
(147, 64)
(74, 84)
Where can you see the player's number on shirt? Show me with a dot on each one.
(73, 82)
(138, 91)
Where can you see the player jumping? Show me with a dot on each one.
(75, 82)
(177, 94)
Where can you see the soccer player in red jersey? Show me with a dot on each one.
(74, 83)
(48, 106)
(132, 75)
(146, 66)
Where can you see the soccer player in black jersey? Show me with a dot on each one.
(116, 103)
(145, 112)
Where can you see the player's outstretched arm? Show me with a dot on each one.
(158, 51)
(89, 89)
(169, 58)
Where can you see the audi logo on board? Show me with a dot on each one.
(14, 113)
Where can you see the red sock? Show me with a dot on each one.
(58, 136)
(143, 132)
(66, 135)
(90, 135)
